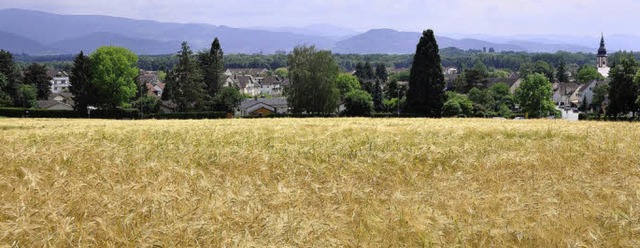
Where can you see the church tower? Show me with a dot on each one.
(602, 54)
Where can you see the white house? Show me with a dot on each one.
(271, 86)
(60, 82)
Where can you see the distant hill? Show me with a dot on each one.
(395, 42)
(76, 32)
(41, 33)
(18, 44)
(92, 41)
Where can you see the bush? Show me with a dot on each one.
(189, 115)
(126, 113)
(38, 113)
(358, 103)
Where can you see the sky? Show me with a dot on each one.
(495, 17)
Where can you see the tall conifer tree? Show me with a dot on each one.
(83, 91)
(426, 83)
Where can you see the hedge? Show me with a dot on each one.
(38, 113)
(188, 115)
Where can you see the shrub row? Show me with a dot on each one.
(594, 117)
(37, 113)
(189, 115)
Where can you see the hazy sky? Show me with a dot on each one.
(498, 17)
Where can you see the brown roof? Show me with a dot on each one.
(270, 80)
(244, 80)
(565, 88)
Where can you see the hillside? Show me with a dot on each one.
(41, 33)
(18, 45)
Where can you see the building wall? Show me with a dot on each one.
(60, 84)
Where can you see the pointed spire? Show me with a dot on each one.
(602, 51)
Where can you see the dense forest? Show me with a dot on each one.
(451, 57)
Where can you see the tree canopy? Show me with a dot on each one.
(313, 87)
(114, 71)
(36, 75)
(534, 96)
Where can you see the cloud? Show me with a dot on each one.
(565, 17)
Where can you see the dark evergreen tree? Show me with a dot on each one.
(11, 74)
(212, 67)
(185, 84)
(36, 75)
(562, 72)
(426, 84)
(623, 92)
(83, 91)
(381, 72)
(360, 74)
(377, 96)
(369, 73)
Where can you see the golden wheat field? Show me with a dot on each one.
(319, 183)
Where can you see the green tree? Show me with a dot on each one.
(228, 99)
(212, 67)
(312, 75)
(27, 96)
(588, 73)
(457, 105)
(5, 99)
(83, 91)
(147, 104)
(562, 72)
(381, 72)
(426, 84)
(475, 78)
(600, 93)
(539, 66)
(358, 103)
(369, 73)
(623, 91)
(9, 69)
(534, 96)
(114, 71)
(282, 72)
(36, 75)
(184, 82)
(347, 83)
(377, 96)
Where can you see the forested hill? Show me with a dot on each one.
(40, 33)
(451, 57)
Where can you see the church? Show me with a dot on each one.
(603, 67)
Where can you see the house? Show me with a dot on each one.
(53, 105)
(60, 82)
(256, 72)
(150, 81)
(168, 106)
(263, 107)
(270, 85)
(585, 92)
(562, 93)
(515, 86)
(248, 85)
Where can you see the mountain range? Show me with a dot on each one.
(41, 33)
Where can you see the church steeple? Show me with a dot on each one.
(602, 54)
(603, 50)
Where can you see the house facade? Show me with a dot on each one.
(60, 82)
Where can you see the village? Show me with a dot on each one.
(264, 91)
